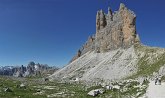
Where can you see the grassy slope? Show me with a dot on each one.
(145, 66)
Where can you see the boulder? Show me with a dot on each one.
(23, 86)
(109, 87)
(7, 90)
(93, 93)
(116, 87)
(96, 92)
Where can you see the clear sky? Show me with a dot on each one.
(51, 31)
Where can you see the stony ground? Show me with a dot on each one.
(111, 65)
(37, 88)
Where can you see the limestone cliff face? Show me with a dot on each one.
(113, 31)
(114, 52)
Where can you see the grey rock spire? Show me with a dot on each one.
(113, 31)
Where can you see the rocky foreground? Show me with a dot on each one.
(38, 88)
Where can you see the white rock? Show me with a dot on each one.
(77, 80)
(116, 87)
(93, 93)
(96, 92)
(109, 87)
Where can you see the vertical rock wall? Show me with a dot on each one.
(113, 31)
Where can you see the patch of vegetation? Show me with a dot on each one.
(144, 67)
(163, 78)
(37, 89)
(34, 88)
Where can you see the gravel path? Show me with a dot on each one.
(156, 91)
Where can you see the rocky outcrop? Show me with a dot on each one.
(88, 46)
(113, 53)
(113, 31)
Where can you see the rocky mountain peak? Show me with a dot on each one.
(113, 30)
(122, 6)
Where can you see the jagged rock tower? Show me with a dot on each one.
(113, 31)
(113, 53)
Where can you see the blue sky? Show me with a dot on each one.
(51, 31)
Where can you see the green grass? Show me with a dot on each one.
(33, 86)
(78, 90)
(144, 67)
(16, 92)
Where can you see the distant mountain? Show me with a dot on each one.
(26, 71)
(114, 52)
(6, 70)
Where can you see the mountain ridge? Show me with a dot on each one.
(114, 52)
(113, 30)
